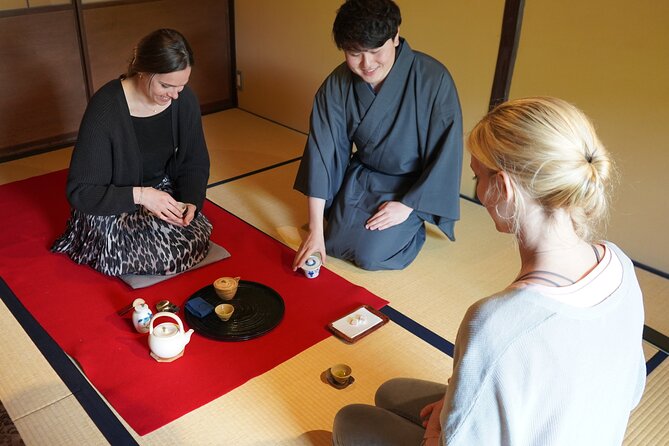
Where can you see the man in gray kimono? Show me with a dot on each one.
(400, 109)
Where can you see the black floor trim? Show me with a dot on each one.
(655, 361)
(273, 166)
(417, 329)
(650, 269)
(656, 338)
(105, 420)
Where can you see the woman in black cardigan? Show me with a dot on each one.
(139, 169)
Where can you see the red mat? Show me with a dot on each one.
(77, 307)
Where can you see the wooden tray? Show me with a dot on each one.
(343, 327)
(258, 309)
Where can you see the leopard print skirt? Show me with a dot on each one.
(134, 243)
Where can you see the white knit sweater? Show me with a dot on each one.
(530, 369)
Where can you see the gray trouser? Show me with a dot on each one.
(394, 420)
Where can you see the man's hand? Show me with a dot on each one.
(314, 242)
(390, 213)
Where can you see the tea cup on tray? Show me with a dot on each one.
(224, 311)
(226, 287)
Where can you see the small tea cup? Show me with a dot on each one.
(341, 373)
(224, 311)
(226, 287)
(312, 266)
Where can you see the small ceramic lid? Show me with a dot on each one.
(312, 262)
(226, 283)
(165, 330)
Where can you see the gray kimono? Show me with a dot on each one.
(408, 140)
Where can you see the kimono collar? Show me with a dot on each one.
(404, 57)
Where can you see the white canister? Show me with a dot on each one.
(141, 317)
(312, 266)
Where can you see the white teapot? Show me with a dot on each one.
(168, 339)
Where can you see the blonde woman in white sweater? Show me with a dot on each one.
(555, 358)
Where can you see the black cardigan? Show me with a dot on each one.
(106, 162)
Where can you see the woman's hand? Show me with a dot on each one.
(189, 213)
(390, 213)
(164, 206)
(430, 415)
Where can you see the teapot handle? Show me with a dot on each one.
(166, 314)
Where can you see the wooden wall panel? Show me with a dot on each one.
(12, 4)
(111, 32)
(44, 95)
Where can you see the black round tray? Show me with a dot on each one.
(258, 309)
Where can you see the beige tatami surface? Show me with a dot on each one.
(290, 404)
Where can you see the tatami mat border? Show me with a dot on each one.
(417, 329)
(105, 420)
(659, 340)
(650, 269)
(655, 361)
(253, 172)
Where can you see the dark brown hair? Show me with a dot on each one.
(162, 51)
(365, 24)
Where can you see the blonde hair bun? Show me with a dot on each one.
(551, 151)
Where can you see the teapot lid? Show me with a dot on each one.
(165, 330)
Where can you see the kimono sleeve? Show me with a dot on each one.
(436, 193)
(328, 148)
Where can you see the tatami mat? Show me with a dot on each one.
(649, 351)
(656, 300)
(35, 165)
(240, 142)
(290, 404)
(61, 423)
(27, 381)
(649, 423)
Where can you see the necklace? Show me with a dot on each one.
(537, 274)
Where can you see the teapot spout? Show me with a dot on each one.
(188, 335)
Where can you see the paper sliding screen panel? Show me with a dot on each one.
(113, 29)
(44, 95)
(610, 59)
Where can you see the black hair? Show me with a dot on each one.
(365, 24)
(162, 51)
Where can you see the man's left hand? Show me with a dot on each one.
(390, 213)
